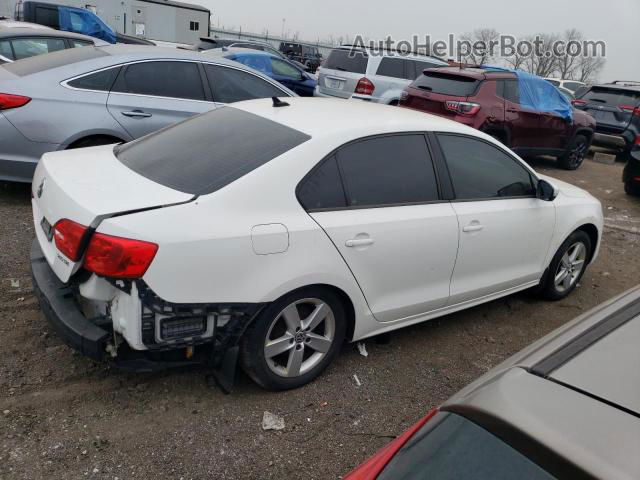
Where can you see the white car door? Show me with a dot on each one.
(148, 96)
(505, 231)
(399, 240)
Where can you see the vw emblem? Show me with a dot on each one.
(40, 188)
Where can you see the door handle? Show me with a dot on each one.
(137, 113)
(359, 242)
(474, 227)
(512, 110)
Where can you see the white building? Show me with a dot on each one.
(164, 20)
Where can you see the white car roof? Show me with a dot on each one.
(324, 117)
(14, 24)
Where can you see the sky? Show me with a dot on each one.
(614, 21)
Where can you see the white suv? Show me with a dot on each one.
(377, 77)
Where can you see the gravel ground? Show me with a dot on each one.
(63, 416)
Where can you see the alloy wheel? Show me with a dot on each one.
(299, 337)
(570, 267)
(577, 154)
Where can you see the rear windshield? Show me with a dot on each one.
(40, 63)
(204, 153)
(611, 96)
(451, 447)
(447, 84)
(347, 61)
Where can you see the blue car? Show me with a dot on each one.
(281, 70)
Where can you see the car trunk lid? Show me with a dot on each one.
(341, 72)
(86, 186)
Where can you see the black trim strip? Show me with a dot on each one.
(587, 338)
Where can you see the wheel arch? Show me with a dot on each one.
(499, 133)
(96, 136)
(592, 231)
(586, 132)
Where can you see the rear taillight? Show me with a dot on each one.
(631, 110)
(68, 236)
(637, 142)
(578, 103)
(12, 101)
(118, 257)
(463, 108)
(365, 87)
(371, 468)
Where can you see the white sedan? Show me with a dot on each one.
(271, 232)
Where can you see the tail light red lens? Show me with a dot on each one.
(578, 103)
(68, 236)
(631, 110)
(12, 101)
(118, 257)
(365, 87)
(371, 468)
(637, 142)
(463, 108)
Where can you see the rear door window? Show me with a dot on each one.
(509, 90)
(207, 152)
(41, 63)
(322, 188)
(101, 81)
(392, 67)
(388, 170)
(25, 47)
(447, 84)
(482, 171)
(347, 61)
(162, 79)
(230, 85)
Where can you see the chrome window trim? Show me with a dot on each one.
(65, 83)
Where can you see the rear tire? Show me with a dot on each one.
(631, 189)
(294, 339)
(575, 154)
(567, 266)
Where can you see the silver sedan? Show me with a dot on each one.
(104, 95)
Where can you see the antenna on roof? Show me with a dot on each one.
(278, 103)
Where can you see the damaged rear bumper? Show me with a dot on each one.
(96, 338)
(59, 307)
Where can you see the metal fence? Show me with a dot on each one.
(274, 41)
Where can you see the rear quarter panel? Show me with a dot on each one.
(206, 253)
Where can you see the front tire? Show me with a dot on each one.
(575, 154)
(567, 267)
(294, 339)
(631, 188)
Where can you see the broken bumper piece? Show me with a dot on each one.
(180, 326)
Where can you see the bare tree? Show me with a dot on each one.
(541, 61)
(589, 68)
(479, 46)
(567, 64)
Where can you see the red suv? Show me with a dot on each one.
(490, 101)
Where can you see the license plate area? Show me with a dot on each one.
(46, 228)
(334, 83)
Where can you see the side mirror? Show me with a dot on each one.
(545, 191)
